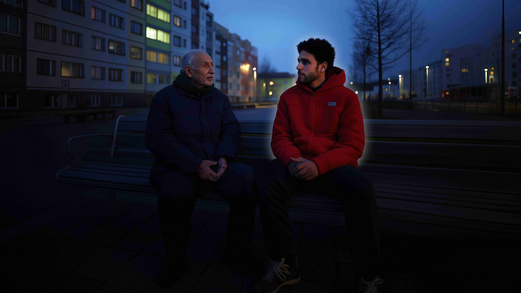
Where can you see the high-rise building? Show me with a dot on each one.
(81, 54)
(12, 54)
(238, 62)
(84, 54)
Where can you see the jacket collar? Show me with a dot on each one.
(185, 83)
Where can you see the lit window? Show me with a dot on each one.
(158, 13)
(72, 69)
(158, 35)
(116, 47)
(138, 4)
(98, 14)
(136, 53)
(163, 58)
(177, 21)
(151, 56)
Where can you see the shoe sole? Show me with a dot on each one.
(290, 282)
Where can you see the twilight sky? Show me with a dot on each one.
(275, 27)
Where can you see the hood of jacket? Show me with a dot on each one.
(185, 83)
(334, 78)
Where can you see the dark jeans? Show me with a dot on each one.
(345, 184)
(178, 193)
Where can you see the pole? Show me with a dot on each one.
(502, 79)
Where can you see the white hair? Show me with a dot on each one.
(188, 58)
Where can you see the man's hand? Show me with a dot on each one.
(221, 167)
(303, 168)
(205, 171)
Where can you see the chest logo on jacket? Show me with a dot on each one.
(331, 104)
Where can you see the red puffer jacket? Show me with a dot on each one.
(325, 126)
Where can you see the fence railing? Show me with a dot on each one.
(512, 108)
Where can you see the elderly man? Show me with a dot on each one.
(194, 137)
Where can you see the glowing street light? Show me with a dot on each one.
(486, 75)
(427, 73)
(400, 83)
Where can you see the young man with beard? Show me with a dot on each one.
(318, 137)
(194, 137)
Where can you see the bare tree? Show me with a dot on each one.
(266, 66)
(389, 24)
(416, 35)
(363, 59)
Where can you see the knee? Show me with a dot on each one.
(351, 180)
(174, 187)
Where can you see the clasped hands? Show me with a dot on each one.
(206, 172)
(303, 169)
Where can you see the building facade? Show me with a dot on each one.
(68, 55)
(236, 66)
(272, 84)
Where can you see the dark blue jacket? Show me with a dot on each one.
(185, 128)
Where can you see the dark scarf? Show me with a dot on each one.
(185, 83)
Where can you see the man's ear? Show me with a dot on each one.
(323, 67)
(188, 71)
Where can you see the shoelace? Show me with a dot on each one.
(280, 270)
(371, 286)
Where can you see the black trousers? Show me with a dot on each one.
(177, 196)
(345, 184)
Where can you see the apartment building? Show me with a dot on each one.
(84, 54)
(236, 66)
(58, 55)
(12, 59)
(512, 62)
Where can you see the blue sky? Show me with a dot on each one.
(275, 27)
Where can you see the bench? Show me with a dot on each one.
(83, 115)
(448, 176)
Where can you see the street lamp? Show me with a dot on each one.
(486, 75)
(255, 83)
(400, 84)
(427, 74)
(389, 80)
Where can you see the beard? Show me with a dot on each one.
(308, 78)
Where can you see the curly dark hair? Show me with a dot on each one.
(321, 50)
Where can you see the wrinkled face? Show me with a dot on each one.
(307, 68)
(202, 72)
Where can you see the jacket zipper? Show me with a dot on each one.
(312, 121)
